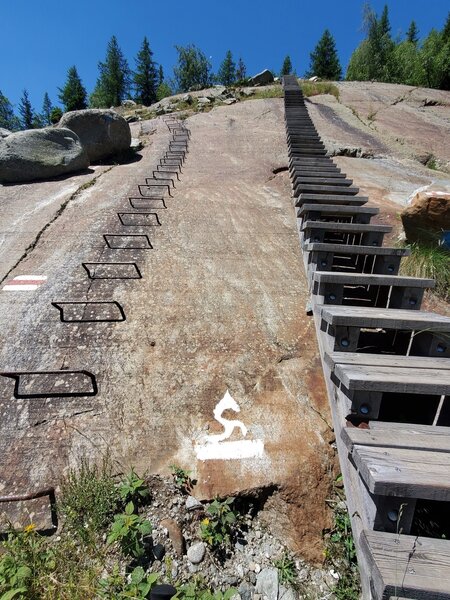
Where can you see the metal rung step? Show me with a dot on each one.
(343, 233)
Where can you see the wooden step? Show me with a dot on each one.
(343, 233)
(308, 152)
(398, 435)
(321, 180)
(398, 380)
(411, 362)
(301, 174)
(306, 169)
(407, 566)
(357, 214)
(330, 199)
(324, 189)
(378, 260)
(385, 331)
(367, 289)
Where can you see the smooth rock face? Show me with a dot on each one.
(196, 553)
(427, 216)
(267, 583)
(4, 132)
(262, 78)
(103, 133)
(40, 154)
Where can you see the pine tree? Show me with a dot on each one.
(412, 35)
(26, 112)
(145, 77)
(324, 59)
(46, 110)
(241, 70)
(163, 91)
(113, 82)
(227, 71)
(8, 119)
(193, 70)
(73, 94)
(286, 69)
(160, 75)
(384, 25)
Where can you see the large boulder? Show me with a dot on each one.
(4, 132)
(103, 133)
(427, 216)
(40, 154)
(263, 78)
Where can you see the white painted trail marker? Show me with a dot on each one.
(216, 448)
(24, 283)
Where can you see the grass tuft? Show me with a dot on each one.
(429, 261)
(311, 88)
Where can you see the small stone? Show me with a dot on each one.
(246, 591)
(196, 553)
(257, 568)
(159, 551)
(204, 100)
(240, 571)
(267, 583)
(174, 571)
(258, 534)
(252, 577)
(175, 535)
(236, 597)
(193, 568)
(192, 503)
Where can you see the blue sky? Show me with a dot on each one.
(41, 39)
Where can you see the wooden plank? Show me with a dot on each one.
(407, 565)
(326, 189)
(330, 199)
(343, 249)
(404, 472)
(337, 210)
(393, 379)
(322, 180)
(345, 227)
(371, 279)
(411, 362)
(389, 318)
(398, 435)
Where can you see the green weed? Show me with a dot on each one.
(341, 555)
(136, 586)
(217, 529)
(130, 530)
(182, 478)
(286, 569)
(133, 488)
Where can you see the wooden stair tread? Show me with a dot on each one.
(404, 472)
(338, 210)
(356, 249)
(393, 318)
(345, 227)
(398, 435)
(407, 565)
(371, 279)
(379, 378)
(388, 360)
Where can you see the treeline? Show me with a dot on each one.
(381, 58)
(378, 58)
(116, 82)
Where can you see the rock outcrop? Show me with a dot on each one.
(4, 132)
(262, 78)
(40, 154)
(103, 133)
(427, 216)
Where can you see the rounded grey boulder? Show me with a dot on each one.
(103, 133)
(40, 154)
(4, 132)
